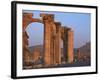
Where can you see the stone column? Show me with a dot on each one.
(47, 20)
(63, 37)
(57, 43)
(70, 46)
(53, 43)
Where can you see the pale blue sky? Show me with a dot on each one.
(79, 22)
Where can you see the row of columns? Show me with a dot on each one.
(53, 33)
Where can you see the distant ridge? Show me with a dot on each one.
(40, 47)
(85, 49)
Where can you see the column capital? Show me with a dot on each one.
(47, 17)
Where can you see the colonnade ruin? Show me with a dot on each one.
(54, 32)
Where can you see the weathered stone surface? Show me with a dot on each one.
(26, 55)
(35, 56)
(57, 44)
(48, 44)
(27, 19)
(67, 38)
(70, 46)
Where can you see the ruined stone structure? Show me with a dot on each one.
(35, 56)
(27, 19)
(26, 53)
(67, 37)
(53, 34)
(79, 54)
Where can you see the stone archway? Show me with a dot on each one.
(27, 19)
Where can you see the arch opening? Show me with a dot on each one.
(35, 33)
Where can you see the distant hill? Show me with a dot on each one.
(40, 47)
(85, 49)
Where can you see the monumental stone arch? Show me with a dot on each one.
(27, 19)
(53, 33)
